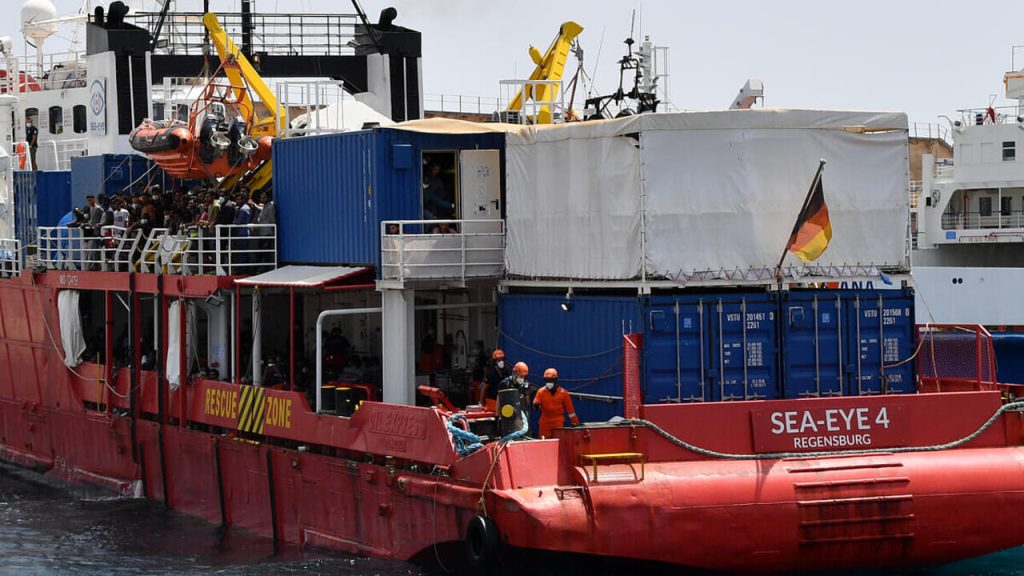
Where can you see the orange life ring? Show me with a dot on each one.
(19, 150)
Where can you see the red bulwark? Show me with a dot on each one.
(740, 478)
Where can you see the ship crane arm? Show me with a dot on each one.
(548, 66)
(245, 75)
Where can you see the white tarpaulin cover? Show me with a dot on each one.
(71, 336)
(574, 205)
(704, 196)
(174, 344)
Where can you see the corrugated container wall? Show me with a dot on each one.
(584, 344)
(710, 347)
(847, 342)
(40, 199)
(109, 174)
(1009, 348)
(332, 191)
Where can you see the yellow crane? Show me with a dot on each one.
(549, 66)
(243, 78)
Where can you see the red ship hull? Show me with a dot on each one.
(387, 482)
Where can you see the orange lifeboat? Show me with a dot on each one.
(215, 143)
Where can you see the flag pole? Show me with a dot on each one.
(807, 199)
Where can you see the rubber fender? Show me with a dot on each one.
(483, 543)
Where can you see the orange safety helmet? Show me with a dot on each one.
(498, 354)
(551, 374)
(521, 369)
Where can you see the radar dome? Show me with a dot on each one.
(34, 11)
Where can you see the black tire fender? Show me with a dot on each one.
(483, 542)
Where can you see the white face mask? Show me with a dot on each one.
(501, 363)
(549, 385)
(520, 380)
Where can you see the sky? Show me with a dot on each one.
(925, 58)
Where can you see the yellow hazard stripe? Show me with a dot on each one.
(252, 409)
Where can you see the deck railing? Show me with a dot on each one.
(976, 220)
(11, 258)
(442, 249)
(223, 250)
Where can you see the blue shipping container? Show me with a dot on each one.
(40, 199)
(746, 351)
(880, 333)
(110, 174)
(1009, 348)
(711, 347)
(813, 344)
(584, 344)
(677, 350)
(847, 342)
(333, 191)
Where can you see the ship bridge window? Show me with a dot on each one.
(79, 123)
(1009, 151)
(56, 120)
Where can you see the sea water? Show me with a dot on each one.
(49, 527)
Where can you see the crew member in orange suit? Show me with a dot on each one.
(554, 404)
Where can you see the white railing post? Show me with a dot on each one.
(401, 251)
(462, 244)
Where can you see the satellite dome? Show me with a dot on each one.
(38, 11)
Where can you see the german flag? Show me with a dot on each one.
(812, 231)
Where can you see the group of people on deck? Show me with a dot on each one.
(551, 400)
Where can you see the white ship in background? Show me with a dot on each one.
(969, 254)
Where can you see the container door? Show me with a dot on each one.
(812, 341)
(480, 189)
(880, 336)
(676, 352)
(743, 357)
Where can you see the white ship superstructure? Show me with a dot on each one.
(969, 257)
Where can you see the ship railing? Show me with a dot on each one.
(978, 221)
(461, 104)
(442, 249)
(277, 34)
(119, 247)
(311, 107)
(69, 66)
(531, 108)
(12, 259)
(229, 250)
(57, 154)
(70, 248)
(930, 131)
(1003, 115)
(221, 250)
(10, 80)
